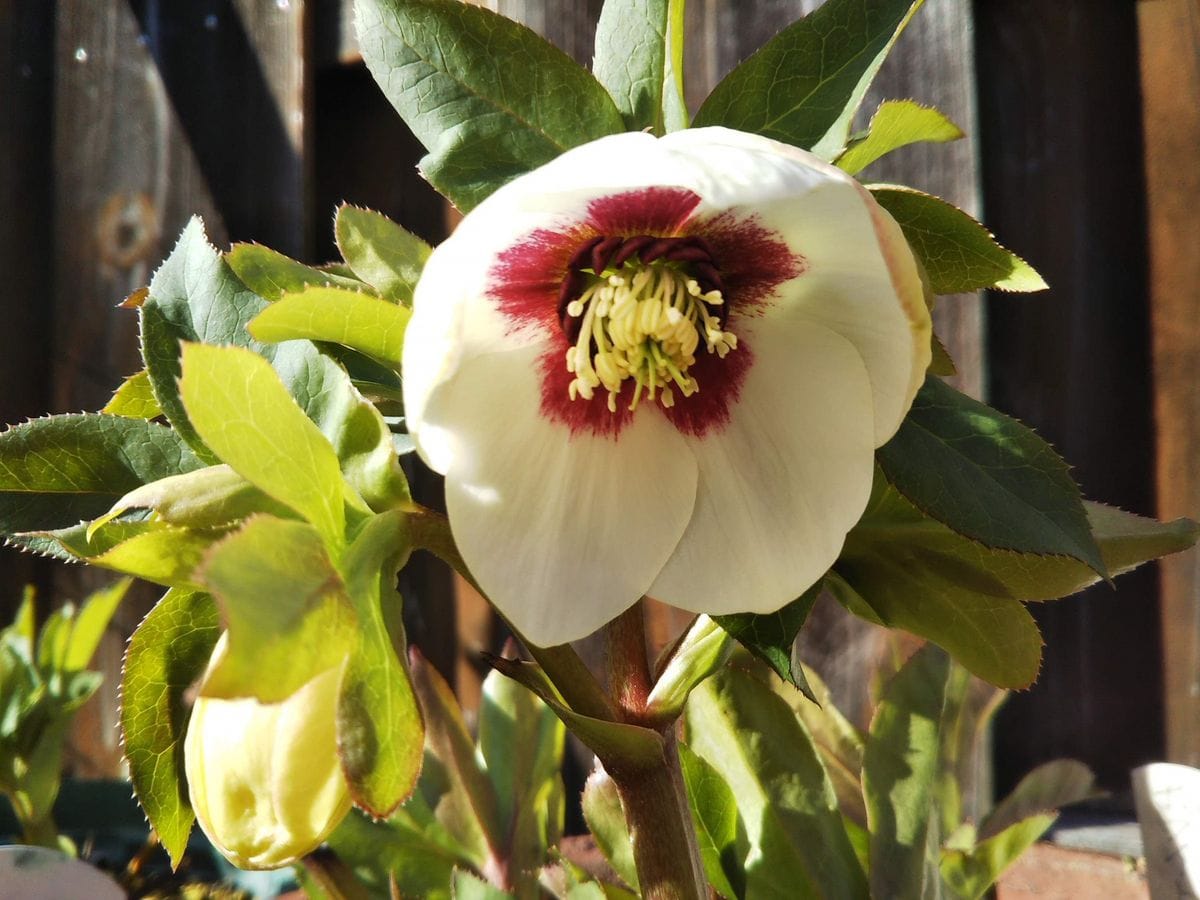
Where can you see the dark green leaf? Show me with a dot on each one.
(896, 124)
(987, 477)
(380, 252)
(58, 471)
(900, 769)
(488, 98)
(166, 654)
(804, 86)
(639, 59)
(770, 636)
(959, 254)
(270, 274)
(285, 608)
(796, 844)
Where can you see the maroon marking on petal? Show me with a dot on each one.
(527, 278)
(650, 210)
(710, 408)
(579, 416)
(752, 260)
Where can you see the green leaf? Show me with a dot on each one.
(160, 553)
(166, 654)
(468, 886)
(896, 124)
(959, 254)
(380, 252)
(90, 624)
(212, 497)
(470, 810)
(243, 411)
(838, 741)
(697, 654)
(715, 815)
(900, 769)
(605, 819)
(970, 874)
(380, 851)
(953, 605)
(380, 731)
(893, 528)
(804, 86)
(941, 362)
(631, 746)
(796, 844)
(57, 471)
(285, 608)
(359, 321)
(770, 636)
(639, 59)
(521, 745)
(270, 274)
(488, 98)
(195, 296)
(134, 398)
(1047, 788)
(987, 477)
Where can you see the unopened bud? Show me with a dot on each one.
(265, 779)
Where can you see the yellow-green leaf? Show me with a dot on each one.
(134, 398)
(896, 124)
(380, 252)
(284, 605)
(359, 321)
(244, 413)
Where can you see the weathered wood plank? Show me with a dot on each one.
(1169, 32)
(161, 111)
(26, 91)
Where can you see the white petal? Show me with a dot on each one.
(783, 482)
(860, 280)
(563, 531)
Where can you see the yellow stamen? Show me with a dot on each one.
(645, 322)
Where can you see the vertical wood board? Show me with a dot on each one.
(1170, 66)
(162, 111)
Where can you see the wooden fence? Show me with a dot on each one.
(121, 118)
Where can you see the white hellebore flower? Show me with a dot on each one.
(662, 366)
(264, 778)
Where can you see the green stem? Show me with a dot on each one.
(37, 831)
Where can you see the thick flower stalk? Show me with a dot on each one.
(662, 366)
(264, 778)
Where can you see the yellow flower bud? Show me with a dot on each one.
(264, 778)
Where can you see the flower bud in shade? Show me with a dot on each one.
(265, 779)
